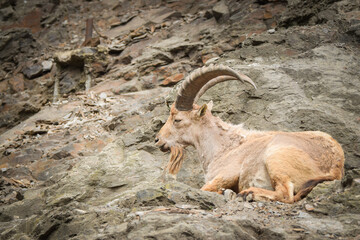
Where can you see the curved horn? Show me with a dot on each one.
(205, 77)
(211, 83)
(220, 79)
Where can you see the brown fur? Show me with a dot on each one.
(276, 166)
(176, 160)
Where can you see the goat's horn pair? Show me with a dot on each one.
(196, 84)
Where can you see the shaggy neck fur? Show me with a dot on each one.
(215, 138)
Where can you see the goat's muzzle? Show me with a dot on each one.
(163, 146)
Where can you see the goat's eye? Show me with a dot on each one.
(177, 120)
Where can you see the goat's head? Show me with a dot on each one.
(187, 118)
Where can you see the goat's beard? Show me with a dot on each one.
(176, 159)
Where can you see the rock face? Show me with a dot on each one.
(85, 166)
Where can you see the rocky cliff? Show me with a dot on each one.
(78, 121)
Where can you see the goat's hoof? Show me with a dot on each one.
(229, 195)
(247, 196)
(250, 197)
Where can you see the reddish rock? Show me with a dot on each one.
(95, 145)
(4, 165)
(17, 83)
(169, 71)
(39, 167)
(98, 68)
(172, 80)
(267, 15)
(207, 57)
(273, 24)
(163, 72)
(217, 50)
(290, 52)
(129, 75)
(32, 20)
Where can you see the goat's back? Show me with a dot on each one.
(325, 151)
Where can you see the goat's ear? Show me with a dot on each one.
(202, 110)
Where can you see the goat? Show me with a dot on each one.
(267, 165)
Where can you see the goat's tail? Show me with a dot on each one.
(309, 185)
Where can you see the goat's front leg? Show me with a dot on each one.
(219, 183)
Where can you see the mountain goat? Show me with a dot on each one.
(270, 165)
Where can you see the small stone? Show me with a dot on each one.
(103, 95)
(271, 31)
(79, 211)
(229, 195)
(33, 71)
(309, 208)
(47, 65)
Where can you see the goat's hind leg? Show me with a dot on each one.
(284, 191)
(287, 168)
